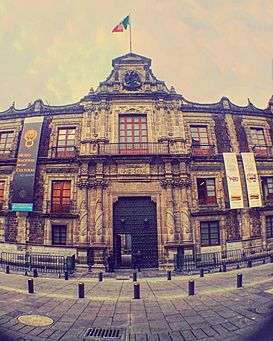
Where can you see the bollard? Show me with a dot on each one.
(271, 258)
(224, 267)
(134, 276)
(26, 274)
(238, 266)
(220, 269)
(81, 290)
(201, 272)
(249, 263)
(169, 275)
(264, 261)
(59, 275)
(191, 287)
(35, 273)
(239, 280)
(100, 276)
(136, 291)
(66, 275)
(30, 286)
(7, 269)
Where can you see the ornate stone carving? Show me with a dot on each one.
(170, 220)
(132, 169)
(98, 218)
(131, 81)
(176, 183)
(83, 219)
(92, 184)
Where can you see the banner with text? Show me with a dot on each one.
(24, 178)
(252, 181)
(233, 181)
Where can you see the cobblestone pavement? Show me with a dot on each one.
(165, 311)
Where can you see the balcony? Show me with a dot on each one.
(262, 151)
(203, 149)
(6, 154)
(64, 152)
(133, 148)
(63, 208)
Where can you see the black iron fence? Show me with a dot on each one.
(41, 262)
(211, 260)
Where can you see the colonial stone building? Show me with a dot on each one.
(135, 166)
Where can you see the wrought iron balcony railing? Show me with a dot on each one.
(61, 208)
(64, 152)
(262, 150)
(203, 149)
(134, 148)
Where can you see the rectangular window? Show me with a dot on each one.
(60, 199)
(66, 142)
(200, 140)
(269, 226)
(258, 140)
(59, 234)
(133, 134)
(267, 186)
(2, 185)
(6, 140)
(210, 233)
(206, 191)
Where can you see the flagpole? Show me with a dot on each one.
(130, 22)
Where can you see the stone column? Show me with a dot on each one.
(22, 227)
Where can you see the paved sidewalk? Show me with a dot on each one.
(165, 311)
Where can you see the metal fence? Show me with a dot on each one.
(211, 260)
(41, 262)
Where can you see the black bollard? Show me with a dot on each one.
(59, 275)
(30, 286)
(220, 269)
(239, 280)
(224, 267)
(35, 273)
(26, 274)
(100, 276)
(201, 272)
(191, 287)
(134, 276)
(81, 290)
(66, 275)
(7, 269)
(264, 261)
(249, 263)
(136, 291)
(238, 266)
(169, 275)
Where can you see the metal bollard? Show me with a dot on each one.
(136, 291)
(30, 286)
(238, 266)
(66, 275)
(264, 261)
(59, 275)
(26, 274)
(224, 267)
(249, 263)
(220, 269)
(169, 275)
(100, 276)
(35, 273)
(81, 290)
(191, 287)
(7, 269)
(201, 272)
(134, 276)
(239, 280)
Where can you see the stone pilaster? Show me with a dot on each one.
(22, 228)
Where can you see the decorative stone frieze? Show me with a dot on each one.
(175, 183)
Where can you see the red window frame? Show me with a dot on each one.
(206, 191)
(133, 134)
(2, 188)
(258, 140)
(60, 196)
(200, 140)
(66, 142)
(6, 139)
(210, 233)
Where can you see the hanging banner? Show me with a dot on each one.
(233, 181)
(252, 181)
(24, 178)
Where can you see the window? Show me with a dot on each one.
(258, 140)
(267, 186)
(206, 191)
(210, 233)
(133, 134)
(59, 234)
(60, 200)
(6, 140)
(269, 226)
(2, 185)
(66, 142)
(200, 140)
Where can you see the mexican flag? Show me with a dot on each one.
(122, 25)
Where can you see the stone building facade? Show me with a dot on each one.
(135, 166)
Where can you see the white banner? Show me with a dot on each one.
(252, 180)
(233, 181)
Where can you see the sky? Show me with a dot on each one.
(57, 50)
